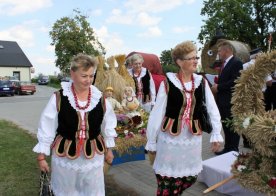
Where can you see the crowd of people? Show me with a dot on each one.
(77, 126)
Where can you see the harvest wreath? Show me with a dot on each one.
(255, 170)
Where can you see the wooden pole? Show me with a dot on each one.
(218, 184)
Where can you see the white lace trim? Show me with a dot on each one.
(80, 164)
(143, 72)
(95, 96)
(167, 171)
(176, 82)
(217, 137)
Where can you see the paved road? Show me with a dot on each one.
(25, 111)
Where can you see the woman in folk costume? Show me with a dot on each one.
(78, 125)
(144, 84)
(173, 131)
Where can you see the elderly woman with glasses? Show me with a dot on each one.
(174, 131)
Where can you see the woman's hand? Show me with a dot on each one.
(43, 165)
(109, 156)
(152, 155)
(215, 146)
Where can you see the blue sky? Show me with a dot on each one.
(122, 26)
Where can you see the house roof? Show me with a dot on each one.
(11, 55)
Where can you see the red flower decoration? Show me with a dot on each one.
(129, 135)
(166, 192)
(272, 182)
(142, 131)
(216, 79)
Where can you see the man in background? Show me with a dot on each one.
(230, 71)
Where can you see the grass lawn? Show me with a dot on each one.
(18, 168)
(19, 172)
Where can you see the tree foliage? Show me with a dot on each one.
(248, 21)
(167, 62)
(166, 58)
(71, 36)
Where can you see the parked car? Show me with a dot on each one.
(22, 87)
(43, 80)
(6, 88)
(13, 81)
(65, 79)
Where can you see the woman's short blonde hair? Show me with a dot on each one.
(182, 49)
(83, 61)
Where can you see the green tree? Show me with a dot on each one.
(167, 62)
(248, 21)
(71, 36)
(166, 58)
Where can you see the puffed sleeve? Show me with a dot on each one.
(214, 114)
(47, 127)
(108, 126)
(155, 118)
(152, 90)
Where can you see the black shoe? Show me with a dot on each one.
(222, 152)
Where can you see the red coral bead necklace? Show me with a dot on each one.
(76, 99)
(183, 85)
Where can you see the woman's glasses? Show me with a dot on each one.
(192, 58)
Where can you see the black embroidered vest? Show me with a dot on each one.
(176, 105)
(69, 127)
(145, 80)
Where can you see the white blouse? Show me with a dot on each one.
(179, 156)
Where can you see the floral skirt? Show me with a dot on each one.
(168, 186)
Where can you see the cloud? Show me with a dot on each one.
(152, 32)
(44, 65)
(44, 29)
(112, 42)
(118, 18)
(96, 12)
(154, 6)
(50, 48)
(145, 20)
(128, 18)
(140, 12)
(16, 7)
(185, 29)
(19, 33)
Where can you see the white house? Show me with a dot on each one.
(13, 61)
